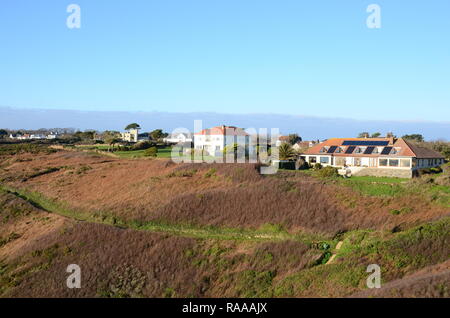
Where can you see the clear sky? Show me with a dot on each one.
(233, 56)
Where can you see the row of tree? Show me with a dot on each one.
(412, 137)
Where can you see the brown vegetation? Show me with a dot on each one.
(229, 195)
(36, 246)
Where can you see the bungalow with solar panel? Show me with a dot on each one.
(374, 156)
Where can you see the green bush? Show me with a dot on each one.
(151, 152)
(301, 164)
(142, 145)
(210, 173)
(328, 172)
(318, 166)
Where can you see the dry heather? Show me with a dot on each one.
(119, 262)
(432, 281)
(230, 195)
(129, 263)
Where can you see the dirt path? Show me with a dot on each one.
(338, 247)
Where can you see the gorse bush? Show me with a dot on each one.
(328, 172)
(151, 152)
(142, 145)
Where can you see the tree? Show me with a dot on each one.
(363, 135)
(133, 126)
(286, 152)
(3, 133)
(112, 141)
(376, 135)
(158, 134)
(414, 137)
(294, 138)
(86, 135)
(390, 135)
(111, 138)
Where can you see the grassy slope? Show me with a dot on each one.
(201, 260)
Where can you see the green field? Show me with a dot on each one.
(162, 152)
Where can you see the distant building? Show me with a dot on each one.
(130, 135)
(304, 145)
(143, 137)
(214, 140)
(282, 140)
(177, 138)
(374, 156)
(27, 136)
(52, 136)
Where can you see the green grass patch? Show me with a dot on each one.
(268, 233)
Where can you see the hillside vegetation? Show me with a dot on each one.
(151, 228)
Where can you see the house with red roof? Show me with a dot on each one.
(374, 156)
(214, 140)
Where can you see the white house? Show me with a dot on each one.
(214, 140)
(374, 156)
(27, 136)
(130, 135)
(176, 138)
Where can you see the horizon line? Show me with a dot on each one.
(225, 113)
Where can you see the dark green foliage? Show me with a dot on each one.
(414, 137)
(151, 152)
(328, 172)
(132, 126)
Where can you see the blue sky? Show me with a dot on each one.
(315, 58)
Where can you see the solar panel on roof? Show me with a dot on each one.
(350, 149)
(365, 143)
(369, 150)
(332, 149)
(386, 150)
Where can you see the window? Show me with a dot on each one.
(312, 159)
(383, 162)
(405, 163)
(393, 162)
(340, 162)
(324, 160)
(359, 150)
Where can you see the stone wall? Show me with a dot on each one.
(379, 172)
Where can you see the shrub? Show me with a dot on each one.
(210, 173)
(182, 173)
(301, 164)
(436, 170)
(124, 148)
(328, 172)
(401, 211)
(151, 152)
(142, 145)
(317, 166)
